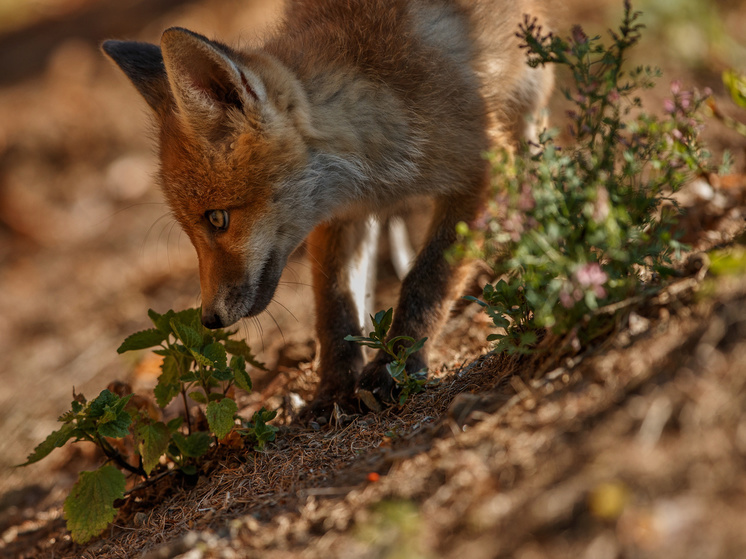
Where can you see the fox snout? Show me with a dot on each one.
(226, 299)
(212, 320)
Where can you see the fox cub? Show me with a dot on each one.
(349, 109)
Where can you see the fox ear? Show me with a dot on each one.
(207, 81)
(143, 65)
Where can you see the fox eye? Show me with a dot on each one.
(218, 219)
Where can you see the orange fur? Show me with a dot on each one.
(346, 111)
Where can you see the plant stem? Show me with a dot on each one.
(114, 455)
(186, 410)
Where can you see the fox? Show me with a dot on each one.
(344, 113)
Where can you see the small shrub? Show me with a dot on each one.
(576, 227)
(408, 383)
(195, 365)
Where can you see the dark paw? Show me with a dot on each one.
(375, 388)
(324, 410)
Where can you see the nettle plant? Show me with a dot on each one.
(581, 226)
(196, 366)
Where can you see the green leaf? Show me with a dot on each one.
(54, 440)
(382, 322)
(155, 317)
(164, 393)
(220, 416)
(108, 410)
(215, 352)
(194, 445)
(102, 403)
(528, 338)
(201, 359)
(116, 428)
(368, 342)
(119, 406)
(262, 432)
(89, 508)
(188, 335)
(169, 370)
(223, 374)
(397, 370)
(189, 376)
(175, 424)
(242, 378)
(163, 321)
(152, 442)
(189, 317)
(240, 347)
(264, 415)
(168, 382)
(198, 396)
(415, 347)
(142, 340)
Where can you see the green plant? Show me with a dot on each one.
(195, 365)
(259, 429)
(572, 228)
(408, 383)
(195, 360)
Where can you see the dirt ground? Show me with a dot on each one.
(633, 448)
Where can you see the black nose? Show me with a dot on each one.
(212, 321)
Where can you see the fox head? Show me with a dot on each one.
(234, 130)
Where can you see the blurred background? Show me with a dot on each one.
(86, 243)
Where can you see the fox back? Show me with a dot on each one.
(345, 111)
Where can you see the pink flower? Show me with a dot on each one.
(566, 299)
(592, 275)
(669, 106)
(685, 99)
(578, 35)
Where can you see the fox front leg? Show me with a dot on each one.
(342, 255)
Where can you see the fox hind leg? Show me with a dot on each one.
(426, 292)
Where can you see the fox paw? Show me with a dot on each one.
(326, 409)
(375, 388)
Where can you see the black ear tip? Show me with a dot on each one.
(133, 54)
(110, 47)
(143, 65)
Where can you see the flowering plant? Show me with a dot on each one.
(576, 227)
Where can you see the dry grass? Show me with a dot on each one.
(633, 448)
